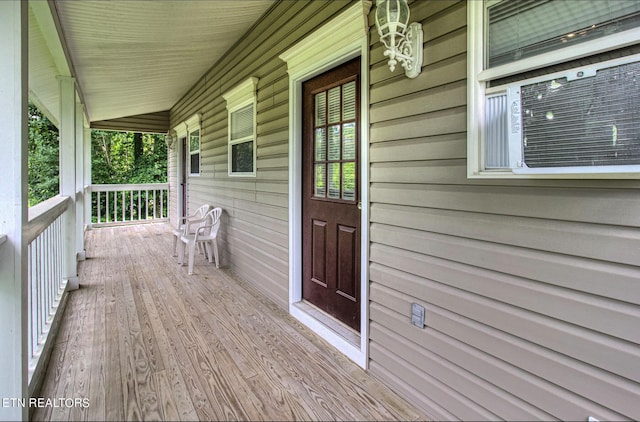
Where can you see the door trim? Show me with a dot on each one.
(339, 41)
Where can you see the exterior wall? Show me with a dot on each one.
(531, 287)
(254, 238)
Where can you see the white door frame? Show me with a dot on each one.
(182, 168)
(342, 39)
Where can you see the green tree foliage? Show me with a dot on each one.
(126, 157)
(116, 157)
(43, 172)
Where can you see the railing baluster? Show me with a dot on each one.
(99, 208)
(33, 299)
(45, 283)
(39, 292)
(154, 204)
(131, 205)
(50, 282)
(146, 202)
(161, 204)
(107, 207)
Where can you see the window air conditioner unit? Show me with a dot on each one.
(586, 120)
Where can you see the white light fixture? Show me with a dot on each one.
(403, 43)
(169, 140)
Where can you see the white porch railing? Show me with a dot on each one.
(128, 204)
(45, 239)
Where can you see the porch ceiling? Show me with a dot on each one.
(137, 56)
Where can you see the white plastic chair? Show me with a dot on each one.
(196, 216)
(205, 234)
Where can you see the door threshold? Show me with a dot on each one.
(347, 333)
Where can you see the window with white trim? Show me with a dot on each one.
(190, 131)
(241, 106)
(554, 88)
(194, 152)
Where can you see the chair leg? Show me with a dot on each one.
(192, 253)
(180, 252)
(207, 251)
(175, 245)
(215, 251)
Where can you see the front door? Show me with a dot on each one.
(331, 193)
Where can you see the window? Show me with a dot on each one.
(241, 105)
(194, 152)
(191, 131)
(552, 88)
(335, 140)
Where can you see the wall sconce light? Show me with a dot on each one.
(403, 43)
(169, 141)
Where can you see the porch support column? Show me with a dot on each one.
(80, 148)
(68, 178)
(13, 208)
(87, 176)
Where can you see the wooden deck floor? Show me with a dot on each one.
(142, 340)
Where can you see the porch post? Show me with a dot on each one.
(80, 147)
(13, 208)
(68, 178)
(87, 176)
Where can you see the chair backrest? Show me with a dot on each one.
(202, 211)
(212, 222)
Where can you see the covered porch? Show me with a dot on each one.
(142, 340)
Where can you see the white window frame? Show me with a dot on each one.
(184, 130)
(242, 95)
(477, 91)
(194, 152)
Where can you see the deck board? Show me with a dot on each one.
(141, 339)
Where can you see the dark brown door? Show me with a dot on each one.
(331, 193)
(183, 176)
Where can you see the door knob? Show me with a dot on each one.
(359, 205)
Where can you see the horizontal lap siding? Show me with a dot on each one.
(531, 287)
(254, 237)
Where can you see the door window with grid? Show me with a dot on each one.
(335, 140)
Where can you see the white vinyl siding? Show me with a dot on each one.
(529, 286)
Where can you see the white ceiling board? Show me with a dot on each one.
(138, 56)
